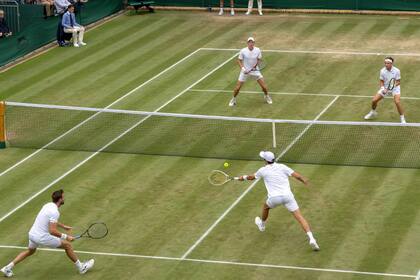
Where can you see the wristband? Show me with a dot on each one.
(243, 69)
(382, 88)
(63, 236)
(245, 177)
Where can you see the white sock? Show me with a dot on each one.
(10, 265)
(310, 235)
(78, 264)
(402, 117)
(262, 223)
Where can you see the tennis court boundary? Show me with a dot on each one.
(300, 94)
(235, 263)
(318, 52)
(111, 142)
(227, 211)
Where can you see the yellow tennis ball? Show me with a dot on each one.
(226, 164)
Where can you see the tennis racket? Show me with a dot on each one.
(259, 66)
(218, 178)
(391, 85)
(94, 231)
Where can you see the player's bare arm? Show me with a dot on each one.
(52, 228)
(299, 177)
(247, 177)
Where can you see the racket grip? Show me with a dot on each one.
(77, 236)
(235, 178)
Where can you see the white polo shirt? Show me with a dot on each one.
(276, 179)
(386, 75)
(250, 58)
(48, 214)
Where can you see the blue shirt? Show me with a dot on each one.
(69, 20)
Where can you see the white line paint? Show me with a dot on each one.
(202, 237)
(93, 116)
(320, 52)
(274, 266)
(300, 93)
(418, 275)
(110, 143)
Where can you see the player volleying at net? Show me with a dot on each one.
(249, 61)
(389, 78)
(44, 233)
(276, 180)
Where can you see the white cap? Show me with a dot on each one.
(251, 39)
(267, 156)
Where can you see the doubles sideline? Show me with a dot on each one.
(220, 262)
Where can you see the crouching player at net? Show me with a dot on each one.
(44, 232)
(249, 62)
(389, 79)
(276, 180)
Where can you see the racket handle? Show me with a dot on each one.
(236, 178)
(77, 236)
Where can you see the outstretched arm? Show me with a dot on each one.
(300, 178)
(247, 177)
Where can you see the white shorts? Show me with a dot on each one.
(395, 91)
(288, 201)
(256, 75)
(46, 240)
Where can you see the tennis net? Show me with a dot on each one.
(154, 133)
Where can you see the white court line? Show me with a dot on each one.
(319, 52)
(93, 116)
(300, 93)
(221, 262)
(253, 184)
(111, 142)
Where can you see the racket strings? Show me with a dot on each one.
(218, 178)
(98, 230)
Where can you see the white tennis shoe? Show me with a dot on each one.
(7, 272)
(268, 99)
(232, 102)
(82, 43)
(259, 224)
(260, 13)
(314, 245)
(221, 12)
(372, 114)
(232, 12)
(86, 266)
(248, 13)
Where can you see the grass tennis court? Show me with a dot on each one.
(166, 221)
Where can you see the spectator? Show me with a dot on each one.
(48, 6)
(232, 12)
(4, 29)
(61, 7)
(71, 26)
(251, 4)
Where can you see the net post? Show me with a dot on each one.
(2, 125)
(274, 134)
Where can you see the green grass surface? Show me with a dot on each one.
(365, 218)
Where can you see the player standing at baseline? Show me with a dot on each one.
(248, 60)
(390, 79)
(276, 180)
(44, 233)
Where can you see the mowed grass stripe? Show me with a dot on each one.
(395, 227)
(90, 53)
(87, 65)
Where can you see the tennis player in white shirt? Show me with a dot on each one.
(386, 74)
(248, 61)
(276, 180)
(44, 233)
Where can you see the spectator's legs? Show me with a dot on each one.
(81, 34)
(250, 4)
